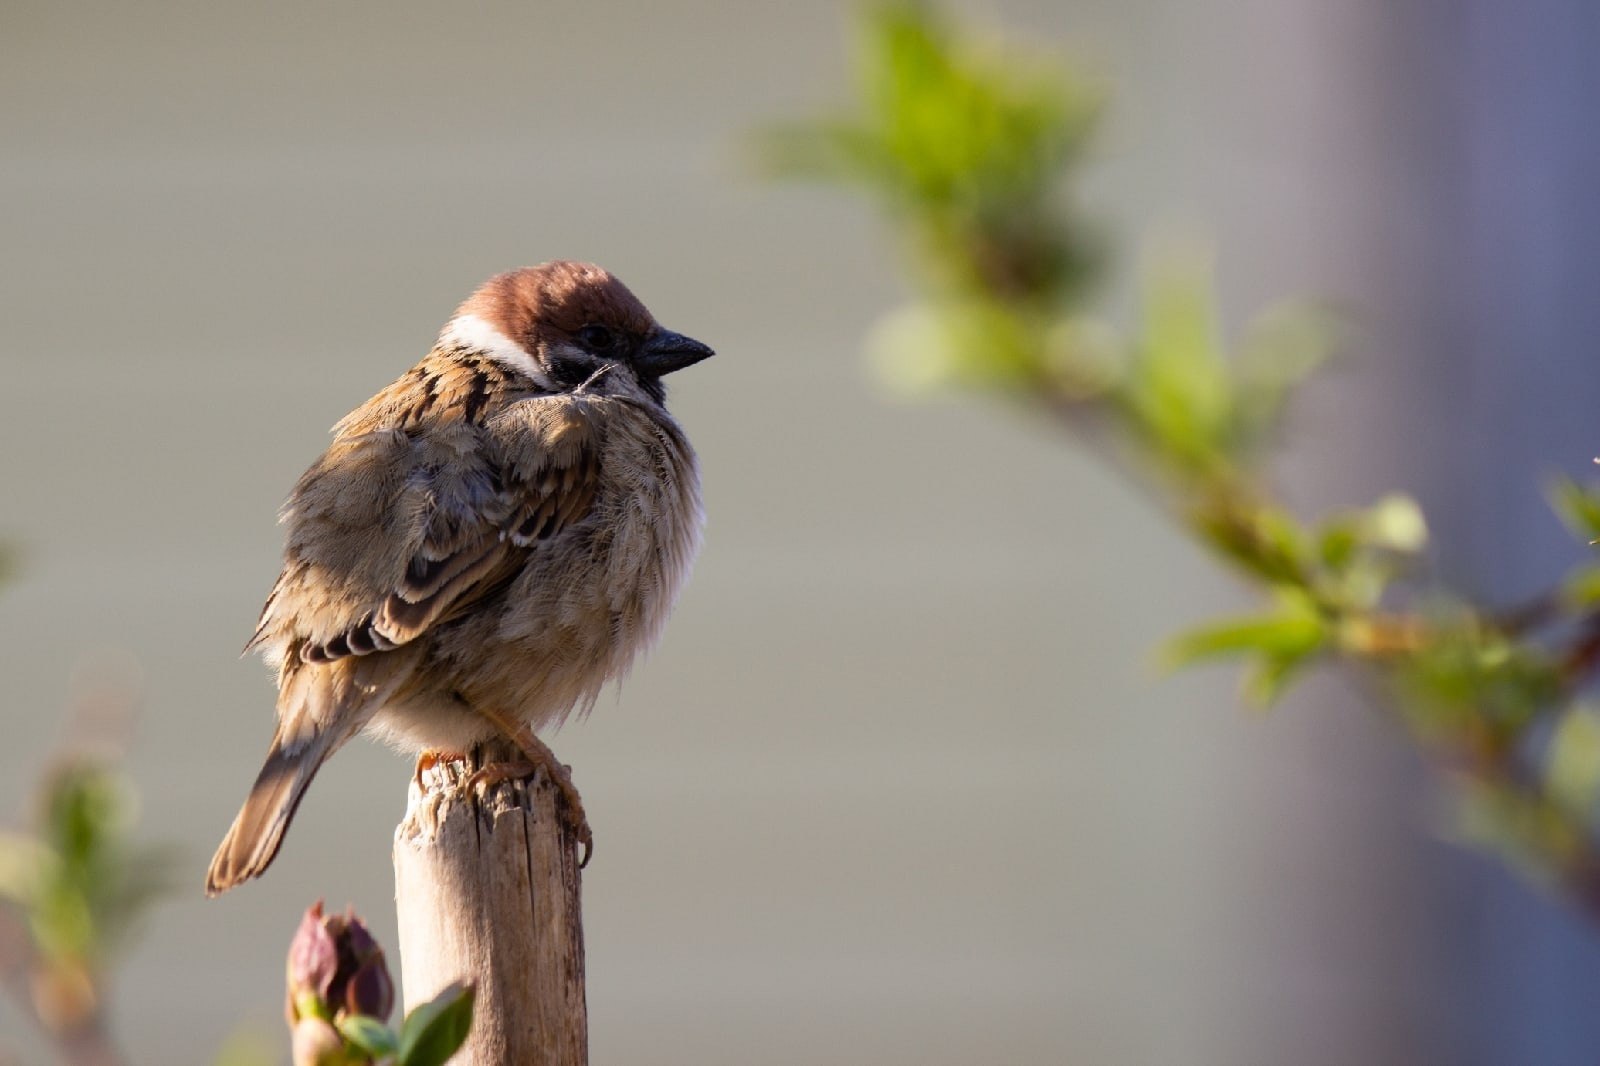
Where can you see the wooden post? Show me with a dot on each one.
(488, 890)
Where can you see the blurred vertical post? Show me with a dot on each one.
(488, 889)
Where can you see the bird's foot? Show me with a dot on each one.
(540, 757)
(491, 774)
(427, 761)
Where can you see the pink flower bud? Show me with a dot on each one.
(313, 962)
(369, 990)
(336, 966)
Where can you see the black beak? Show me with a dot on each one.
(667, 351)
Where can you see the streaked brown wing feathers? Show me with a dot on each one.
(473, 521)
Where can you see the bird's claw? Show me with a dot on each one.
(495, 773)
(427, 761)
(492, 774)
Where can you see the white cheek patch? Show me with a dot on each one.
(470, 331)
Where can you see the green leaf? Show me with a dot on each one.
(1178, 389)
(1294, 631)
(84, 813)
(1572, 768)
(369, 1034)
(437, 1029)
(1279, 645)
(1578, 506)
(961, 123)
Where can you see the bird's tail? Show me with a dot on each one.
(257, 832)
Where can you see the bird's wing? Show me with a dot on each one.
(392, 531)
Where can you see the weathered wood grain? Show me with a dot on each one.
(488, 889)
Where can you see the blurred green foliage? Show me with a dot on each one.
(971, 145)
(89, 885)
(74, 886)
(964, 140)
(71, 891)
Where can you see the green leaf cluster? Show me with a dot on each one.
(1325, 585)
(971, 145)
(964, 142)
(78, 880)
(1197, 410)
(71, 890)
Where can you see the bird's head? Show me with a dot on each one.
(568, 326)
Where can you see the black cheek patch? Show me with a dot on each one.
(569, 373)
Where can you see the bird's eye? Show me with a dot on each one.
(597, 339)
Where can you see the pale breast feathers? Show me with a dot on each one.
(394, 530)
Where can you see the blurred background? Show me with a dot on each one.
(901, 784)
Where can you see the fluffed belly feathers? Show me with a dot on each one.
(581, 611)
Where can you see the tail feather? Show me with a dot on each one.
(257, 832)
(319, 708)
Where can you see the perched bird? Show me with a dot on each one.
(486, 543)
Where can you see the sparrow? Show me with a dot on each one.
(485, 544)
